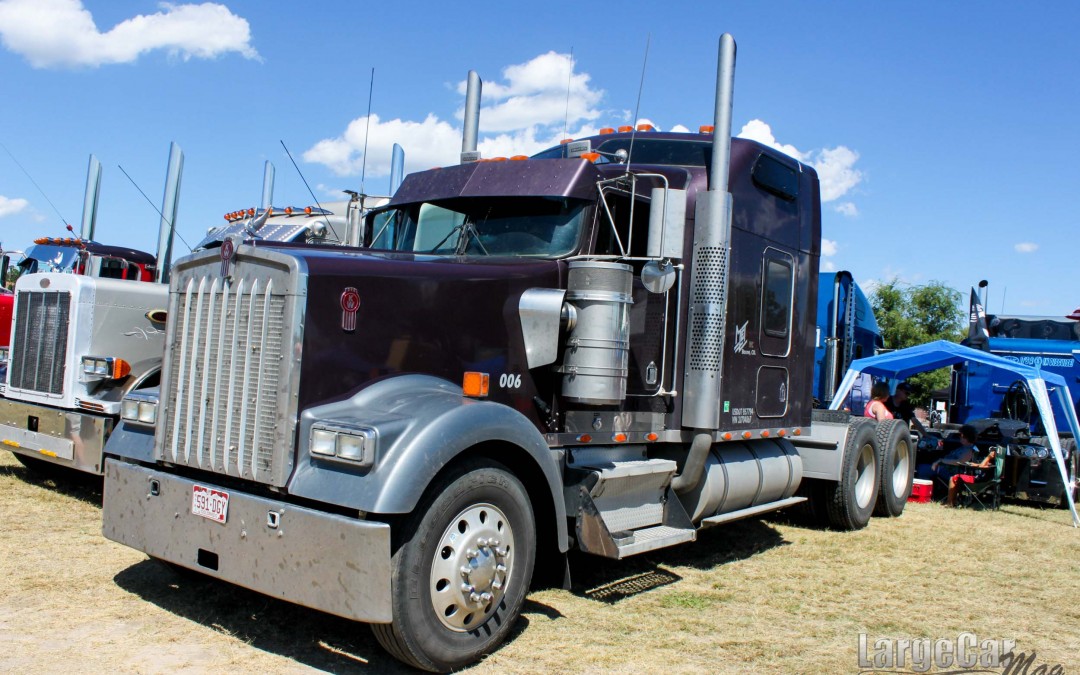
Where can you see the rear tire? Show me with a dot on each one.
(850, 502)
(896, 467)
(461, 567)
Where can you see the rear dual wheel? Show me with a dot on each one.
(896, 462)
(849, 503)
(461, 567)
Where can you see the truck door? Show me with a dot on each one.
(774, 331)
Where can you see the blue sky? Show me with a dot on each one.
(946, 134)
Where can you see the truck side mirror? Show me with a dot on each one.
(667, 220)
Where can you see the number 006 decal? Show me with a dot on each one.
(509, 381)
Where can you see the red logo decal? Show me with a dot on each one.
(228, 251)
(350, 304)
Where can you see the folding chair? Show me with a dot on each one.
(986, 490)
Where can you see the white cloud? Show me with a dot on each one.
(1026, 247)
(678, 128)
(828, 266)
(847, 209)
(9, 206)
(828, 247)
(526, 113)
(62, 33)
(835, 166)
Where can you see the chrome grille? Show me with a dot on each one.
(39, 341)
(226, 396)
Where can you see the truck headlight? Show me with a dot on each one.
(139, 410)
(342, 441)
(105, 367)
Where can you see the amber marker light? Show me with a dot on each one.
(625, 129)
(706, 129)
(121, 368)
(590, 156)
(250, 212)
(646, 127)
(307, 210)
(288, 210)
(518, 158)
(727, 436)
(619, 437)
(475, 385)
(652, 436)
(584, 438)
(606, 130)
(746, 435)
(765, 434)
(782, 433)
(565, 141)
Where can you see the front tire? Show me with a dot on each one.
(850, 502)
(896, 467)
(461, 567)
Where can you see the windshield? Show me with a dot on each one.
(515, 226)
(48, 258)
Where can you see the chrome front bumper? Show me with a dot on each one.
(320, 560)
(73, 439)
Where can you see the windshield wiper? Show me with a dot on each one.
(463, 243)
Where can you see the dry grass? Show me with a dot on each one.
(761, 596)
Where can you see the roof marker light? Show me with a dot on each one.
(307, 210)
(498, 159)
(706, 129)
(590, 156)
(625, 129)
(288, 210)
(565, 141)
(606, 130)
(518, 158)
(646, 127)
(475, 385)
(250, 212)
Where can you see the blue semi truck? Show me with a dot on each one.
(846, 330)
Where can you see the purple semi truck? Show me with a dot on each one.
(607, 348)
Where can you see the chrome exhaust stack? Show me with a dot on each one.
(170, 203)
(472, 119)
(709, 271)
(90, 201)
(268, 185)
(397, 168)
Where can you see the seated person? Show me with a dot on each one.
(964, 453)
(899, 404)
(979, 475)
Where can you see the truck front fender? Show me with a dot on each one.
(422, 424)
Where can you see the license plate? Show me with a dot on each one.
(209, 503)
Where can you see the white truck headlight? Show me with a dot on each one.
(345, 442)
(139, 408)
(106, 367)
(323, 442)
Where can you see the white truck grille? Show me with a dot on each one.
(39, 341)
(226, 386)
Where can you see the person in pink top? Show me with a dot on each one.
(876, 408)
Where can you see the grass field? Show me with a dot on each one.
(767, 596)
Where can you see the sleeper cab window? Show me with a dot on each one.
(775, 177)
(777, 294)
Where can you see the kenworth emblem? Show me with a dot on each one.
(350, 304)
(228, 252)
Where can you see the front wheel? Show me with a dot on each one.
(461, 567)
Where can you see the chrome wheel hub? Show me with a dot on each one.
(901, 470)
(471, 568)
(865, 483)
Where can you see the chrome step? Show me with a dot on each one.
(650, 539)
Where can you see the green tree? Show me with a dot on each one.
(913, 315)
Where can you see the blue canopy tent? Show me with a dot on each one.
(904, 363)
